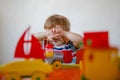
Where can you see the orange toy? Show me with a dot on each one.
(65, 74)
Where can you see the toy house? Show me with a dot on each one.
(100, 61)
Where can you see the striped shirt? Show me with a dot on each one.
(67, 47)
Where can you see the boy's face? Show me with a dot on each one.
(57, 35)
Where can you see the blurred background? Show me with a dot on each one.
(84, 15)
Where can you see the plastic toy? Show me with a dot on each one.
(96, 39)
(35, 69)
(29, 47)
(58, 59)
(33, 66)
(96, 60)
(100, 61)
(49, 50)
(65, 74)
(64, 56)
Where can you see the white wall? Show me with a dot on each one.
(84, 15)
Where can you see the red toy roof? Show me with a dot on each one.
(96, 39)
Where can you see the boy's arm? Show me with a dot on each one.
(40, 35)
(74, 37)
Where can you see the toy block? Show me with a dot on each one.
(96, 39)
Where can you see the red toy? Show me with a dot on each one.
(96, 39)
(67, 56)
(49, 51)
(64, 56)
(29, 47)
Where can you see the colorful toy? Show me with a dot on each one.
(49, 50)
(64, 56)
(100, 61)
(35, 69)
(33, 66)
(96, 60)
(65, 74)
(96, 39)
(57, 58)
(29, 47)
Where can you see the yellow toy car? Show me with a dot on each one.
(36, 69)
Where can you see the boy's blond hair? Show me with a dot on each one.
(57, 20)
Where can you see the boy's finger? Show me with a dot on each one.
(51, 40)
(48, 32)
(53, 30)
(56, 35)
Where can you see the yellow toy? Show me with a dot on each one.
(49, 50)
(100, 61)
(100, 64)
(36, 69)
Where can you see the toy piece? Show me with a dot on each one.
(29, 47)
(56, 58)
(49, 50)
(63, 56)
(100, 61)
(36, 69)
(65, 74)
(1, 75)
(79, 55)
(57, 65)
(96, 39)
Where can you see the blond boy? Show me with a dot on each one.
(57, 32)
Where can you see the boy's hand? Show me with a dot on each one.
(58, 31)
(51, 35)
(55, 33)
